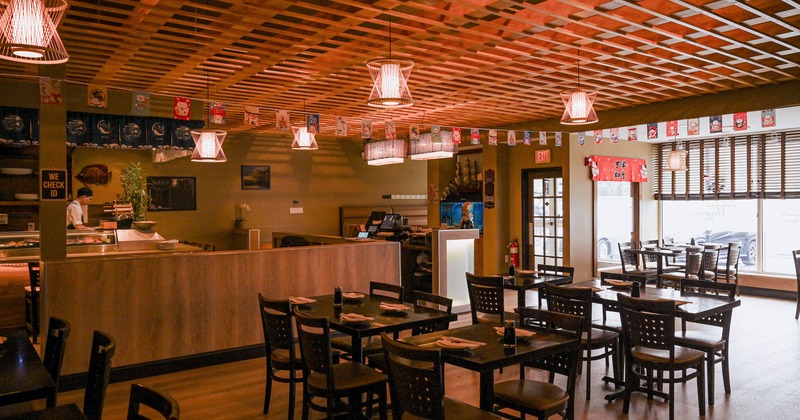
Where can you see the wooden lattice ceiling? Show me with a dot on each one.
(478, 63)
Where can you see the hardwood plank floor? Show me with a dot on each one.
(764, 370)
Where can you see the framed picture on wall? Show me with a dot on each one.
(255, 177)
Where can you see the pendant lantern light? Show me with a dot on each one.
(426, 149)
(579, 103)
(384, 152)
(29, 31)
(207, 142)
(390, 80)
(677, 158)
(303, 139)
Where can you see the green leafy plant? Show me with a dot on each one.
(134, 189)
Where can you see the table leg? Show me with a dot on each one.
(357, 355)
(51, 398)
(487, 390)
(521, 298)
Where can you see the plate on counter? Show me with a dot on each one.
(16, 171)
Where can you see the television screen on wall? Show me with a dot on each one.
(452, 212)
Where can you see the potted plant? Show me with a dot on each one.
(134, 190)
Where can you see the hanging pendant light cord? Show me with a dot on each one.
(208, 99)
(390, 37)
(579, 68)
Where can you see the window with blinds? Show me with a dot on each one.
(749, 166)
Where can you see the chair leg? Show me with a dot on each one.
(306, 402)
(710, 375)
(268, 388)
(588, 373)
(726, 374)
(292, 391)
(701, 400)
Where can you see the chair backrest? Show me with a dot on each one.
(57, 333)
(314, 334)
(432, 301)
(288, 241)
(710, 259)
(572, 301)
(694, 263)
(734, 251)
(416, 378)
(691, 287)
(647, 323)
(650, 258)
(103, 348)
(667, 241)
(33, 274)
(556, 269)
(628, 259)
(611, 275)
(159, 401)
(276, 321)
(796, 257)
(392, 291)
(486, 296)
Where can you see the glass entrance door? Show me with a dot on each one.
(543, 233)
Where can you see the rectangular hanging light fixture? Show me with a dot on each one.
(384, 152)
(425, 148)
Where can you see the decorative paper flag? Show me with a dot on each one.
(97, 96)
(632, 134)
(715, 124)
(282, 120)
(456, 135)
(492, 137)
(140, 103)
(740, 121)
(413, 132)
(558, 138)
(598, 136)
(526, 138)
(652, 130)
(251, 115)
(581, 138)
(341, 125)
(768, 117)
(512, 138)
(390, 130)
(436, 134)
(672, 128)
(50, 91)
(366, 129)
(543, 138)
(693, 126)
(614, 135)
(474, 136)
(218, 112)
(312, 123)
(182, 108)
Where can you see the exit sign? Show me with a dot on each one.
(53, 184)
(543, 156)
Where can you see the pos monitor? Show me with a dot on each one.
(391, 222)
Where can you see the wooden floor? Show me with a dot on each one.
(765, 367)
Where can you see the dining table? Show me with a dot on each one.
(690, 307)
(23, 376)
(382, 320)
(662, 253)
(491, 354)
(525, 280)
(60, 412)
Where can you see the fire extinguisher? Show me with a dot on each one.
(514, 251)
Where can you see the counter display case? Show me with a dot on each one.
(23, 246)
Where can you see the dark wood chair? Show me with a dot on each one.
(692, 270)
(558, 270)
(333, 382)
(538, 398)
(650, 262)
(486, 298)
(578, 302)
(32, 301)
(57, 333)
(715, 345)
(796, 257)
(159, 401)
(421, 299)
(369, 345)
(283, 356)
(631, 263)
(103, 348)
(729, 270)
(650, 351)
(416, 382)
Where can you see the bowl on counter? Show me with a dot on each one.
(145, 224)
(16, 171)
(26, 197)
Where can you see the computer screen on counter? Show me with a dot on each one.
(391, 222)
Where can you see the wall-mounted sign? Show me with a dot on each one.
(609, 168)
(53, 184)
(542, 156)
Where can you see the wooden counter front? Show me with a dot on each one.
(166, 306)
